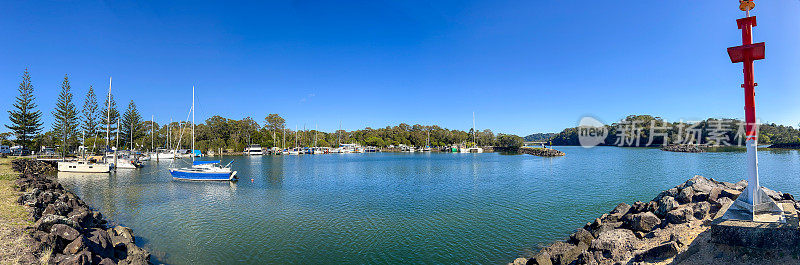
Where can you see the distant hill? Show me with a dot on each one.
(539, 137)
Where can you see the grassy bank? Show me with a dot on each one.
(13, 217)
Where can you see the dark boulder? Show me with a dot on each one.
(64, 231)
(644, 222)
(100, 243)
(685, 196)
(543, 258)
(680, 215)
(665, 205)
(582, 235)
(616, 244)
(47, 221)
(76, 246)
(701, 210)
(562, 253)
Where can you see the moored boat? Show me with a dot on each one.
(204, 171)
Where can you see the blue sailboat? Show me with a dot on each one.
(203, 170)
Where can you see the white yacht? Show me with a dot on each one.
(253, 149)
(83, 166)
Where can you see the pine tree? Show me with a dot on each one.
(25, 119)
(131, 124)
(65, 116)
(111, 120)
(90, 118)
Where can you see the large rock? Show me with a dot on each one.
(76, 246)
(701, 210)
(686, 195)
(616, 244)
(700, 184)
(604, 227)
(100, 243)
(582, 235)
(659, 253)
(680, 215)
(564, 253)
(120, 236)
(621, 209)
(137, 255)
(64, 231)
(47, 221)
(543, 258)
(665, 205)
(644, 222)
(714, 194)
(520, 261)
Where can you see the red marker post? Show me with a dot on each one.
(753, 201)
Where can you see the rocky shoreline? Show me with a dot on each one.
(65, 229)
(545, 152)
(683, 148)
(656, 232)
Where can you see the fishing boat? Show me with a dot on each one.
(203, 170)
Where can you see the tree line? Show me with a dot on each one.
(638, 130)
(96, 126)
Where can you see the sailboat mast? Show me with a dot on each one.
(152, 131)
(108, 119)
(192, 123)
(474, 136)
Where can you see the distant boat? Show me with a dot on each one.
(254, 149)
(203, 170)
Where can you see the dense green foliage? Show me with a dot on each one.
(536, 137)
(132, 126)
(25, 118)
(90, 118)
(636, 130)
(65, 117)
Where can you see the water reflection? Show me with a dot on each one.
(396, 208)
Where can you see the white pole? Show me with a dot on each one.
(192, 123)
(108, 119)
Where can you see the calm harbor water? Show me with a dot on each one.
(397, 207)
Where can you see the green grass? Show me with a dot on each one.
(11, 213)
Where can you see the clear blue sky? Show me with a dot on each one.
(522, 66)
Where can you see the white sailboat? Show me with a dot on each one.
(86, 166)
(473, 149)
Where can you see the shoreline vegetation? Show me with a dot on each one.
(706, 132)
(75, 126)
(51, 225)
(673, 228)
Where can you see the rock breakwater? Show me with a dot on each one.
(65, 229)
(683, 148)
(545, 152)
(653, 232)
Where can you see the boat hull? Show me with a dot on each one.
(202, 176)
(83, 168)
